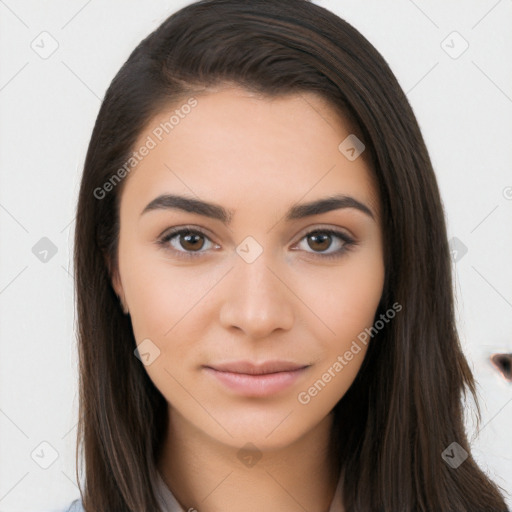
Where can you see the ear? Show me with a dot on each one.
(116, 282)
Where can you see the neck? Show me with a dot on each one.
(207, 475)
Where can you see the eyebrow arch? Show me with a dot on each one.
(215, 211)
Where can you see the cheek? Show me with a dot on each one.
(167, 304)
(152, 305)
(164, 308)
(348, 310)
(156, 294)
(357, 299)
(329, 384)
(344, 298)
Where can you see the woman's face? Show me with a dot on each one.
(250, 284)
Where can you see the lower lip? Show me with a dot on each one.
(257, 385)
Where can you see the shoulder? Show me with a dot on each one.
(75, 506)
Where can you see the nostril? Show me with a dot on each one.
(503, 363)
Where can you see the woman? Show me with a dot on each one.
(261, 265)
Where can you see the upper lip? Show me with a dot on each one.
(250, 368)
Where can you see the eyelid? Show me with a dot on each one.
(190, 227)
(325, 227)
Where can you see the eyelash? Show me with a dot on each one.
(349, 243)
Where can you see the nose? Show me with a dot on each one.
(257, 298)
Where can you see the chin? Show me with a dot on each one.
(268, 430)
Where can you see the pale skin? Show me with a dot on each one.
(257, 157)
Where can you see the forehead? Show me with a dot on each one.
(236, 146)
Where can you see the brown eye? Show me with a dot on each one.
(320, 240)
(191, 241)
(185, 242)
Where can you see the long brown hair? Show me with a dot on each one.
(405, 405)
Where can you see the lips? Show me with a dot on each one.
(256, 380)
(249, 368)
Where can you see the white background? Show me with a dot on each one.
(48, 108)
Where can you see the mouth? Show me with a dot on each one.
(256, 380)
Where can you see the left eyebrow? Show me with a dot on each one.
(215, 211)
